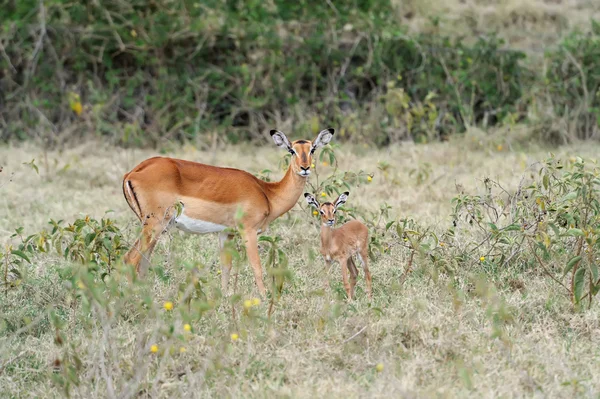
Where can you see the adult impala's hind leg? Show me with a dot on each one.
(225, 241)
(364, 258)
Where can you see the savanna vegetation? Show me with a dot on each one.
(466, 134)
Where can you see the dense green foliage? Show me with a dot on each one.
(146, 72)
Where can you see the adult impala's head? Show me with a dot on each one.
(302, 150)
(327, 209)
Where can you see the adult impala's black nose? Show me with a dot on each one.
(305, 169)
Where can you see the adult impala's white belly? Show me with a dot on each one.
(197, 226)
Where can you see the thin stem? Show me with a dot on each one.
(545, 269)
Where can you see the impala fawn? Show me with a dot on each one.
(342, 243)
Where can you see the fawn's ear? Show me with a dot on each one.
(341, 200)
(322, 139)
(282, 141)
(311, 200)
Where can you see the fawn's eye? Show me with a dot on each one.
(322, 213)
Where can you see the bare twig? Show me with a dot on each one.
(40, 42)
(544, 267)
(7, 58)
(408, 268)
(343, 342)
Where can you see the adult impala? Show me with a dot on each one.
(210, 197)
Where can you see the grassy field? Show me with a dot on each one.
(432, 336)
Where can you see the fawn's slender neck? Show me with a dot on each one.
(326, 237)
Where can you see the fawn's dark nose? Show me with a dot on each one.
(305, 168)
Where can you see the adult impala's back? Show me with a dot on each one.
(210, 197)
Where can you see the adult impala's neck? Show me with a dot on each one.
(284, 194)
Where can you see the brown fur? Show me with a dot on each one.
(343, 243)
(212, 194)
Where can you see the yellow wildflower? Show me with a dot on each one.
(247, 303)
(187, 327)
(255, 301)
(482, 258)
(154, 348)
(234, 337)
(168, 305)
(379, 367)
(75, 103)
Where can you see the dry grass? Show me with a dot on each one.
(530, 25)
(431, 343)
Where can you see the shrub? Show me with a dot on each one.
(145, 72)
(572, 84)
(550, 226)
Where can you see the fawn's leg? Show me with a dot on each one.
(363, 256)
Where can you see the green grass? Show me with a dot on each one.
(434, 337)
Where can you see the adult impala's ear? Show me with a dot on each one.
(282, 141)
(322, 139)
(341, 200)
(311, 200)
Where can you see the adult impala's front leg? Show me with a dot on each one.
(139, 255)
(251, 242)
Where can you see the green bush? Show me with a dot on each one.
(573, 82)
(146, 72)
(549, 226)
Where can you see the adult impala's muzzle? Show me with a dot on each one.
(304, 171)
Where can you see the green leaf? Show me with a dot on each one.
(265, 238)
(570, 264)
(594, 270)
(89, 238)
(570, 196)
(579, 283)
(546, 181)
(513, 227)
(16, 273)
(20, 254)
(575, 232)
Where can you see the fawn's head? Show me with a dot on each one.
(302, 150)
(327, 209)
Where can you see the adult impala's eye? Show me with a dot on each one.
(322, 213)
